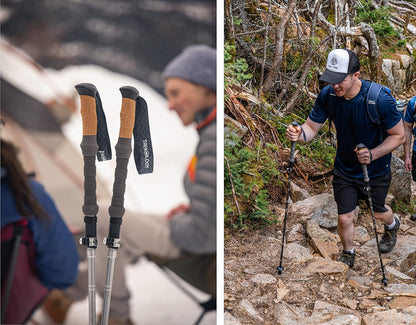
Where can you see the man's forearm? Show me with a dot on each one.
(387, 146)
(408, 139)
(309, 130)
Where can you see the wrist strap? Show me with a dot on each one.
(304, 134)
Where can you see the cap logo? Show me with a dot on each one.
(334, 61)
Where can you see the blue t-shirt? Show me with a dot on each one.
(409, 117)
(354, 126)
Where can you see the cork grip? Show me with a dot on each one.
(128, 111)
(127, 116)
(87, 94)
(89, 115)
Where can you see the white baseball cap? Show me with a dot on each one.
(340, 63)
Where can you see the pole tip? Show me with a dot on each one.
(279, 270)
(384, 280)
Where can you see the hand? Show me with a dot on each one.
(364, 155)
(293, 132)
(408, 164)
(181, 208)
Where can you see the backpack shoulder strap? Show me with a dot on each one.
(372, 105)
(371, 102)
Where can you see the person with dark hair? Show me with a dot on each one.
(22, 197)
(187, 234)
(347, 110)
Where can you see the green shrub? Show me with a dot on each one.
(235, 69)
(253, 171)
(378, 19)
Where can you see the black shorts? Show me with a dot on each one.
(348, 191)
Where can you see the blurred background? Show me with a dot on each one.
(49, 46)
(136, 38)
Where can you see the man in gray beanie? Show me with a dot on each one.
(184, 240)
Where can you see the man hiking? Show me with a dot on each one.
(348, 111)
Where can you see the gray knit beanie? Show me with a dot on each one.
(197, 64)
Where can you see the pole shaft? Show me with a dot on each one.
(370, 202)
(91, 285)
(285, 217)
(111, 257)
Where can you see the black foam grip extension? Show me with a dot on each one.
(363, 166)
(114, 228)
(292, 151)
(293, 144)
(116, 208)
(123, 151)
(143, 150)
(90, 226)
(365, 173)
(89, 148)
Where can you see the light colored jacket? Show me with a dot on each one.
(195, 231)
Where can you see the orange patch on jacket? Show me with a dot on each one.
(192, 168)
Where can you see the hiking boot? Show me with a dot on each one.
(388, 241)
(56, 306)
(347, 258)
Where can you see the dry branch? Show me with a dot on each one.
(278, 56)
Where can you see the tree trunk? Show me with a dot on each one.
(278, 57)
(374, 51)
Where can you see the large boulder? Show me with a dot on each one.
(401, 180)
(397, 73)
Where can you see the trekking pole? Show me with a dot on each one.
(93, 120)
(291, 161)
(133, 121)
(368, 189)
(116, 209)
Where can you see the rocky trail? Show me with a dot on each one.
(314, 288)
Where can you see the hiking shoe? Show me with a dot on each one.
(388, 241)
(347, 258)
(56, 306)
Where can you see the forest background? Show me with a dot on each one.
(275, 52)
